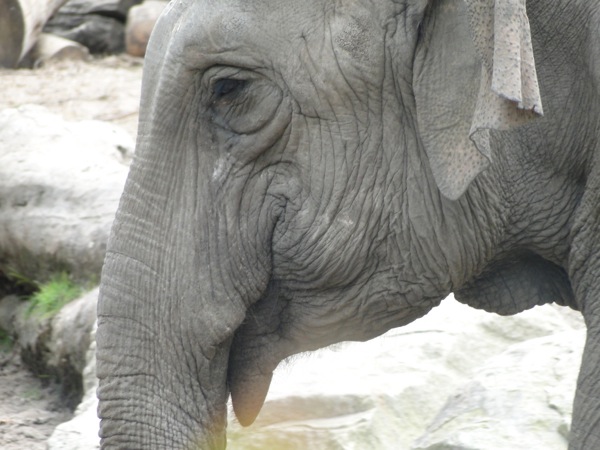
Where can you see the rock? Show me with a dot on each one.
(81, 432)
(100, 34)
(56, 347)
(97, 24)
(108, 8)
(21, 22)
(49, 48)
(521, 398)
(60, 184)
(140, 23)
(10, 309)
(71, 332)
(384, 393)
(69, 343)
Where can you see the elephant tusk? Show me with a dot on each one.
(248, 396)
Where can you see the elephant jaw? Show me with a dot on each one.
(248, 393)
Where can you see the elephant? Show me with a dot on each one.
(321, 171)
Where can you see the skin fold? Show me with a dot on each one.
(319, 171)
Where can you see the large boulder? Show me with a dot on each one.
(21, 22)
(97, 24)
(520, 399)
(402, 390)
(54, 347)
(108, 8)
(140, 23)
(50, 48)
(386, 393)
(81, 432)
(60, 184)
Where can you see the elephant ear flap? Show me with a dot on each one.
(509, 94)
(492, 50)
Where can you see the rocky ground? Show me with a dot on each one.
(30, 409)
(105, 89)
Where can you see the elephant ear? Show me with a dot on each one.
(474, 72)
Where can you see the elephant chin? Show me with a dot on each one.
(248, 393)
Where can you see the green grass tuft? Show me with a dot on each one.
(53, 295)
(6, 342)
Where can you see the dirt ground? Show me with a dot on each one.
(106, 89)
(103, 89)
(29, 410)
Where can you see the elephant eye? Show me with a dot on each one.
(237, 100)
(227, 86)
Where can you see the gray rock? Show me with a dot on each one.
(97, 24)
(81, 432)
(21, 22)
(55, 347)
(111, 8)
(50, 48)
(71, 327)
(520, 399)
(99, 34)
(60, 184)
(69, 343)
(140, 23)
(385, 393)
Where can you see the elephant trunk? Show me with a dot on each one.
(166, 387)
(181, 270)
(156, 392)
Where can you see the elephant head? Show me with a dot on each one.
(307, 173)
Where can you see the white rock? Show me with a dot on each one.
(140, 23)
(385, 393)
(81, 432)
(382, 394)
(520, 399)
(70, 337)
(60, 183)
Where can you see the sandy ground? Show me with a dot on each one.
(105, 89)
(102, 89)
(29, 409)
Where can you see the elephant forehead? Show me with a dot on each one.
(356, 36)
(213, 27)
(273, 29)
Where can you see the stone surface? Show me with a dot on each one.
(71, 327)
(140, 23)
(81, 432)
(55, 347)
(405, 389)
(60, 184)
(383, 394)
(68, 345)
(100, 34)
(112, 8)
(521, 399)
(50, 48)
(97, 24)
(21, 22)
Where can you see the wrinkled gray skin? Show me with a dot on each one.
(283, 198)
